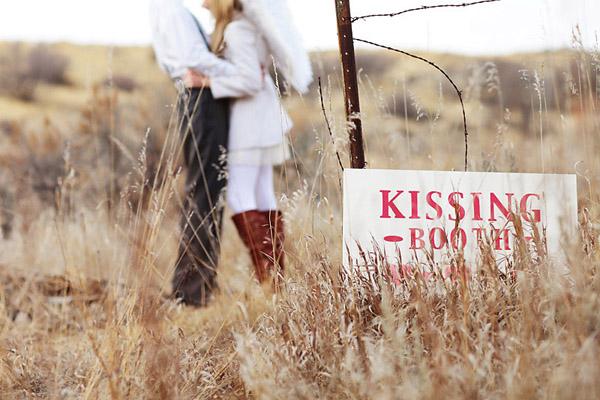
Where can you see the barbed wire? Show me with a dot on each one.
(422, 8)
(329, 125)
(434, 65)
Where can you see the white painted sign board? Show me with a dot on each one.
(404, 215)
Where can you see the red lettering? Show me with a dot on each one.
(499, 208)
(496, 204)
(537, 214)
(434, 205)
(458, 238)
(501, 239)
(476, 206)
(437, 245)
(416, 239)
(459, 211)
(478, 234)
(414, 200)
(388, 204)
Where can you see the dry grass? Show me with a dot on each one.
(89, 211)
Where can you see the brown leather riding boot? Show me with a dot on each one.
(253, 229)
(276, 239)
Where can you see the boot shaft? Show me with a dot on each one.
(263, 234)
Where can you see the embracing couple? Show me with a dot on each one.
(233, 128)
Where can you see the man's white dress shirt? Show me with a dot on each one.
(179, 44)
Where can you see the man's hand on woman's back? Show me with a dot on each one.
(195, 79)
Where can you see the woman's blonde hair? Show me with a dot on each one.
(223, 11)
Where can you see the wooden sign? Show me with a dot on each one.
(424, 218)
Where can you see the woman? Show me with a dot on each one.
(247, 35)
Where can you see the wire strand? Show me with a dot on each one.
(422, 8)
(329, 125)
(458, 91)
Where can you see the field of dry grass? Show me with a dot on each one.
(90, 196)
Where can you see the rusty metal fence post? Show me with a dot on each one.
(351, 96)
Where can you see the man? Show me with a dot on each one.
(181, 44)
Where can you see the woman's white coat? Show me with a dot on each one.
(258, 118)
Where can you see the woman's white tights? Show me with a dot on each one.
(250, 187)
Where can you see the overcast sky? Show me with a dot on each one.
(504, 27)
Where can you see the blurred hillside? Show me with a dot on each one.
(100, 106)
(56, 80)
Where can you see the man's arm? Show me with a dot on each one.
(189, 48)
